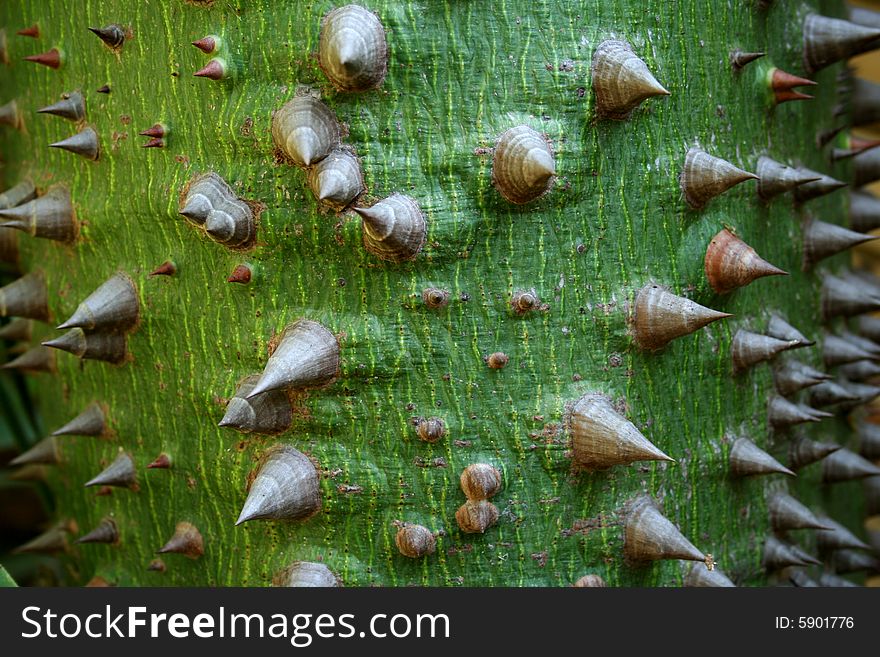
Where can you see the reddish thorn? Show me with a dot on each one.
(155, 143)
(206, 44)
(52, 58)
(157, 130)
(241, 274)
(167, 268)
(862, 145)
(213, 70)
(163, 462)
(785, 96)
(33, 31)
(782, 81)
(157, 565)
(104, 89)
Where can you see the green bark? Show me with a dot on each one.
(460, 73)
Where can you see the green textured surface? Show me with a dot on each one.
(460, 73)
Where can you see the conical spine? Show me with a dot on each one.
(19, 329)
(820, 187)
(26, 297)
(51, 541)
(822, 240)
(782, 413)
(285, 487)
(602, 438)
(829, 40)
(869, 440)
(860, 370)
(829, 393)
(37, 359)
(113, 306)
(113, 35)
(44, 452)
(866, 167)
(91, 422)
(106, 532)
(84, 143)
(659, 317)
(838, 537)
(781, 330)
(121, 472)
(839, 297)
(71, 107)
(307, 356)
(747, 459)
(844, 465)
(794, 375)
(837, 351)
(187, 540)
(787, 513)
(804, 451)
(704, 177)
(775, 178)
(267, 413)
(649, 536)
(779, 554)
(106, 346)
(748, 349)
(49, 216)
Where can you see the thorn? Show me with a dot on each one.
(739, 58)
(49, 216)
(167, 268)
(307, 356)
(747, 459)
(241, 274)
(104, 89)
(105, 532)
(37, 359)
(156, 142)
(208, 45)
(156, 130)
(33, 31)
(187, 540)
(114, 305)
(780, 329)
(44, 452)
(787, 513)
(91, 422)
(161, 462)
(71, 106)
(828, 40)
(49, 542)
(705, 176)
(120, 473)
(214, 70)
(824, 185)
(50, 58)
(26, 297)
(786, 96)
(844, 465)
(285, 487)
(602, 438)
(730, 263)
(649, 536)
(112, 35)
(268, 413)
(804, 452)
(84, 143)
(660, 317)
(157, 565)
